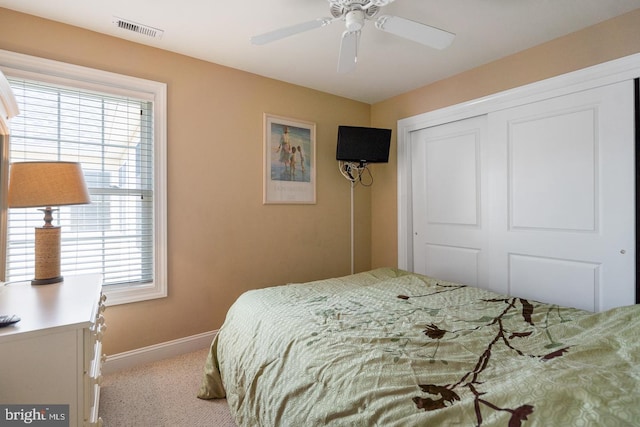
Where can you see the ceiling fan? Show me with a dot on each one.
(355, 13)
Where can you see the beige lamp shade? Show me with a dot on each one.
(47, 184)
(35, 184)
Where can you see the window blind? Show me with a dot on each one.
(112, 137)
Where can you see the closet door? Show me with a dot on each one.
(450, 202)
(536, 201)
(562, 199)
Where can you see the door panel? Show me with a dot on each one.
(563, 199)
(539, 278)
(449, 203)
(553, 164)
(452, 178)
(455, 264)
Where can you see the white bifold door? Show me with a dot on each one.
(535, 201)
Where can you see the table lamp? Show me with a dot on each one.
(46, 184)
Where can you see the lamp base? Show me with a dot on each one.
(47, 281)
(47, 248)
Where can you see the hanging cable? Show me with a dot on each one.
(354, 172)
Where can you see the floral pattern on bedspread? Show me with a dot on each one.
(391, 348)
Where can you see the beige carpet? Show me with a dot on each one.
(161, 394)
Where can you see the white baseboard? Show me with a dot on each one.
(153, 353)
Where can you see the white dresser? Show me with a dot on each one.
(53, 356)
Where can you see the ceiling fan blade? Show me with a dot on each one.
(348, 51)
(290, 31)
(412, 30)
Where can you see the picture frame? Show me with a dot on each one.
(289, 153)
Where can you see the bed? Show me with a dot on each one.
(393, 348)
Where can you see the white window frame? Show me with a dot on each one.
(46, 70)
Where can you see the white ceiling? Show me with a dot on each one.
(388, 65)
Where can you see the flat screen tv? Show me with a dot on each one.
(363, 145)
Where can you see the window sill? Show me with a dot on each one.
(128, 293)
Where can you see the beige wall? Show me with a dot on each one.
(221, 239)
(600, 43)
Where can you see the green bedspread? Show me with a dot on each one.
(391, 348)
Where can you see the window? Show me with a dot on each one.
(115, 127)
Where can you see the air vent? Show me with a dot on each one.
(137, 28)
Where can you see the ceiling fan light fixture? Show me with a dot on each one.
(354, 20)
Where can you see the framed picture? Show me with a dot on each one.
(289, 160)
